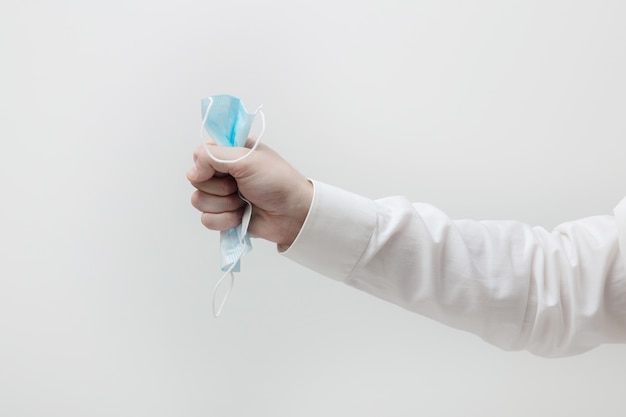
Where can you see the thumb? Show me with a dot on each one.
(219, 158)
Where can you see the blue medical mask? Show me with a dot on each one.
(229, 123)
(227, 120)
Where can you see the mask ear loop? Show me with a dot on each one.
(216, 313)
(244, 226)
(247, 214)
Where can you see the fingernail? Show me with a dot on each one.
(191, 174)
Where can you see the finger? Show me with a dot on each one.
(222, 221)
(201, 170)
(218, 185)
(207, 164)
(198, 174)
(215, 204)
(251, 141)
(197, 150)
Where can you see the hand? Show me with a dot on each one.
(280, 195)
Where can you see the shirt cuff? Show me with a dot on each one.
(335, 233)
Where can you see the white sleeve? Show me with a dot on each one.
(553, 293)
(620, 219)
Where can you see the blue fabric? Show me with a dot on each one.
(229, 124)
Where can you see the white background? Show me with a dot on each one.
(487, 109)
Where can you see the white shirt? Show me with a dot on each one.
(553, 293)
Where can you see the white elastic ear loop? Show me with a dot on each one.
(245, 222)
(247, 214)
(216, 313)
(206, 148)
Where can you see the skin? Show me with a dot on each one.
(279, 194)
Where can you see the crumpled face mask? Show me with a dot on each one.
(228, 123)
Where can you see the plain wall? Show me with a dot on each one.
(486, 109)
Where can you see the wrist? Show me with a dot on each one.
(301, 207)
